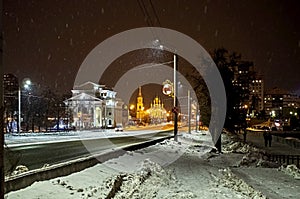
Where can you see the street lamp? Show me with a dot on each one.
(175, 88)
(175, 99)
(26, 83)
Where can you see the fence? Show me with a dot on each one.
(285, 159)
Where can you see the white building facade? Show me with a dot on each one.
(93, 106)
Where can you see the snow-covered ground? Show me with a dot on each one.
(185, 169)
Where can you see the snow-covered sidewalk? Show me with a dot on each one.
(187, 169)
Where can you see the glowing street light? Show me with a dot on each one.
(26, 83)
(131, 107)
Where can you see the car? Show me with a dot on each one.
(119, 127)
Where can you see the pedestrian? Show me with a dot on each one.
(245, 134)
(269, 138)
(265, 138)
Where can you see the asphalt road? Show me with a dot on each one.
(37, 155)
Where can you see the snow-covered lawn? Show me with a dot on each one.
(184, 169)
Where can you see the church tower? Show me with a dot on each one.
(140, 105)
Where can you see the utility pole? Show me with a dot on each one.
(1, 111)
(175, 100)
(189, 110)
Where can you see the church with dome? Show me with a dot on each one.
(156, 113)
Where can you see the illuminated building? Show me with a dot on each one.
(140, 106)
(157, 112)
(10, 96)
(94, 106)
(280, 103)
(256, 88)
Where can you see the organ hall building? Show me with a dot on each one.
(95, 106)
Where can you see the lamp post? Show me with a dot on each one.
(175, 90)
(175, 109)
(26, 82)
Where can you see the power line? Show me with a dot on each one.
(145, 13)
(155, 13)
(150, 66)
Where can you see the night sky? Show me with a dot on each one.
(47, 40)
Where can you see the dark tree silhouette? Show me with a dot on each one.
(223, 60)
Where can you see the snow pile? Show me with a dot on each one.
(253, 156)
(195, 136)
(231, 181)
(238, 147)
(20, 169)
(150, 181)
(291, 170)
(258, 159)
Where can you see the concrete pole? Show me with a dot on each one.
(189, 110)
(19, 109)
(1, 112)
(175, 100)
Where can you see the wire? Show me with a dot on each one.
(150, 66)
(155, 13)
(145, 13)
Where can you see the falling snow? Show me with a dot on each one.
(216, 33)
(205, 9)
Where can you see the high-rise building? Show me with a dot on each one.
(256, 97)
(279, 103)
(10, 90)
(243, 74)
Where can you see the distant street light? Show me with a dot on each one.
(26, 83)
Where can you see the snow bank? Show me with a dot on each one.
(253, 156)
(238, 147)
(20, 169)
(291, 170)
(229, 180)
(150, 181)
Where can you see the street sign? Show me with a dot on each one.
(167, 88)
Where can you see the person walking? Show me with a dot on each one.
(245, 134)
(269, 138)
(265, 138)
